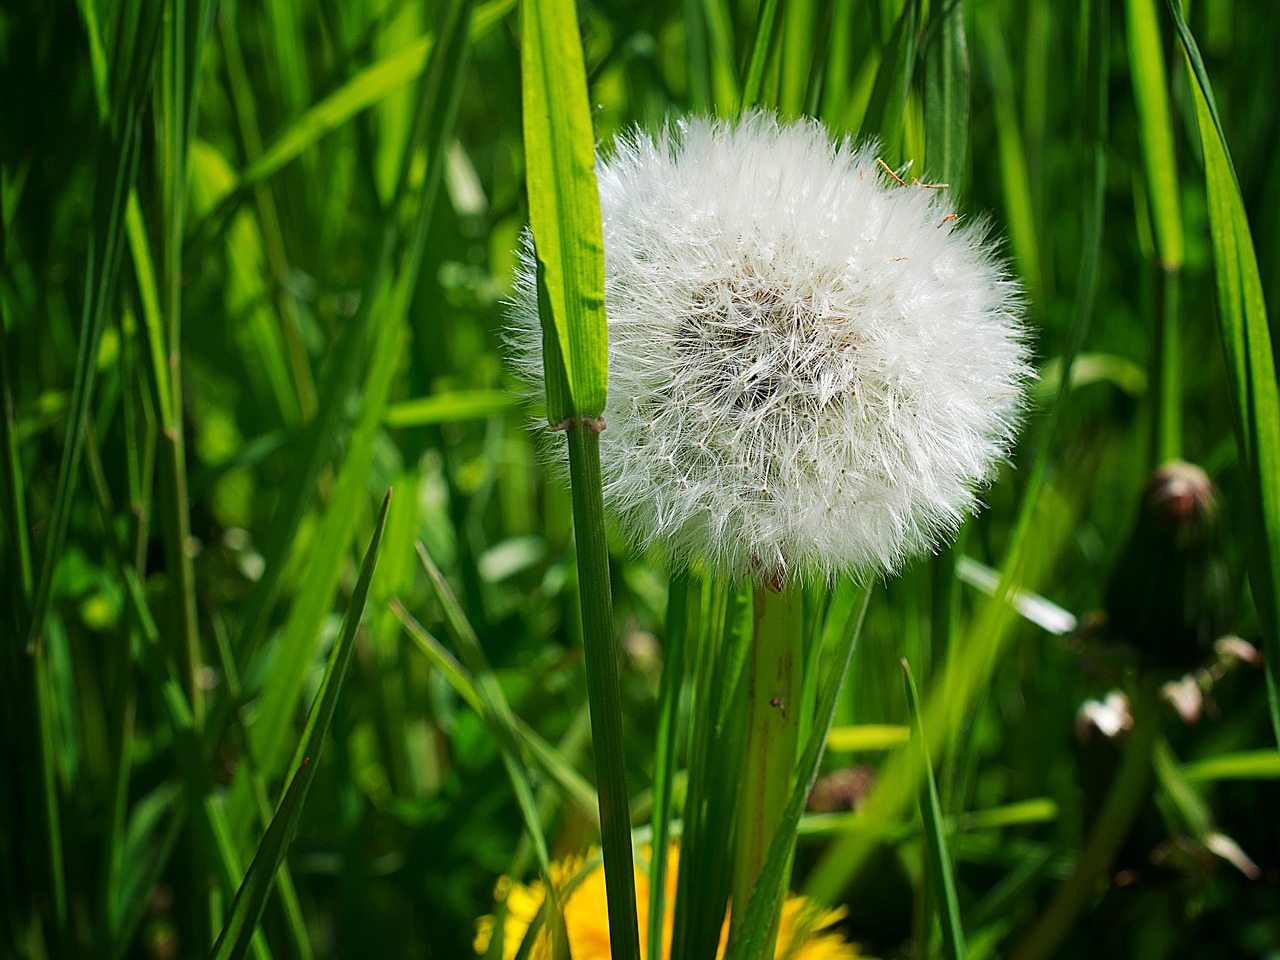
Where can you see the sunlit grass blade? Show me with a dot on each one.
(564, 205)
(1246, 342)
(1150, 91)
(251, 898)
(867, 737)
(564, 217)
(452, 407)
(1245, 765)
(941, 882)
(1015, 177)
(772, 886)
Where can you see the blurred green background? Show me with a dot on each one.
(255, 258)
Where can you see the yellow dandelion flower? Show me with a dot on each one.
(804, 931)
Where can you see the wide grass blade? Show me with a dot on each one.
(564, 205)
(941, 882)
(1246, 341)
(251, 898)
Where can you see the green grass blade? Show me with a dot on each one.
(946, 95)
(761, 47)
(564, 204)
(888, 104)
(543, 755)
(367, 87)
(942, 882)
(433, 125)
(251, 898)
(771, 887)
(1246, 342)
(1015, 176)
(116, 176)
(1150, 91)
(494, 704)
(453, 407)
(1245, 765)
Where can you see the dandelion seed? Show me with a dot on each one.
(839, 375)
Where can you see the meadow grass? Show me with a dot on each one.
(255, 259)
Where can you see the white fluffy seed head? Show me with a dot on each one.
(812, 367)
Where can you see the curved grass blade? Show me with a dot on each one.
(1246, 342)
(772, 885)
(251, 898)
(935, 837)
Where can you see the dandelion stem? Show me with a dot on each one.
(601, 654)
(773, 718)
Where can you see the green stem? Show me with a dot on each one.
(1168, 439)
(1128, 792)
(603, 694)
(773, 721)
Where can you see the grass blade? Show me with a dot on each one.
(888, 103)
(494, 705)
(513, 729)
(946, 94)
(564, 204)
(251, 898)
(1246, 341)
(935, 838)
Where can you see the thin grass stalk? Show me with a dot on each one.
(172, 146)
(773, 726)
(603, 693)
(1168, 360)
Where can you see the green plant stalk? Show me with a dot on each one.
(773, 726)
(1168, 439)
(1129, 790)
(603, 694)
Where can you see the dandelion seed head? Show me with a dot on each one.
(812, 368)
